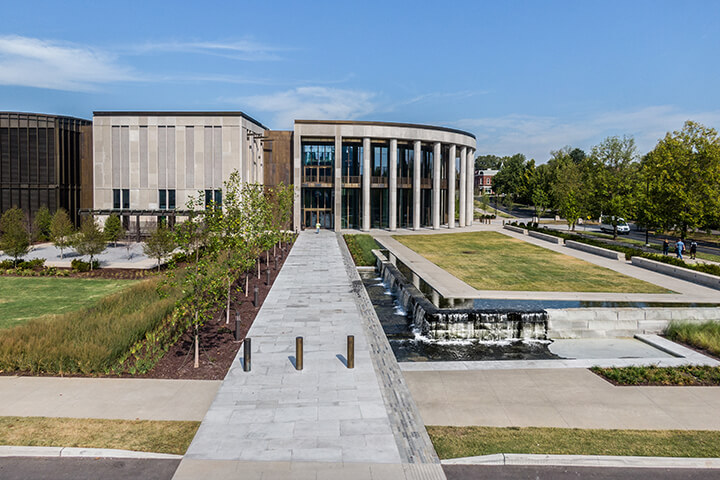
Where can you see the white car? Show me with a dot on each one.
(606, 225)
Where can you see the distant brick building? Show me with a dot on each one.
(484, 181)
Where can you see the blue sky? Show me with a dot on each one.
(523, 76)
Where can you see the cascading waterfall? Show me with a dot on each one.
(461, 324)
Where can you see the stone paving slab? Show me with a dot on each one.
(276, 418)
(566, 398)
(110, 398)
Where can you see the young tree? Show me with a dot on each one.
(41, 224)
(683, 178)
(160, 244)
(567, 188)
(61, 230)
(113, 229)
(14, 236)
(89, 240)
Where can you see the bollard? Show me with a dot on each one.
(256, 296)
(246, 355)
(237, 327)
(275, 258)
(267, 276)
(298, 353)
(351, 351)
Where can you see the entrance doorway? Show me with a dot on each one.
(318, 207)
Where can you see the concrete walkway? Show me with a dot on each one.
(110, 398)
(452, 287)
(326, 421)
(566, 398)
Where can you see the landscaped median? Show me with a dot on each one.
(458, 442)
(139, 435)
(361, 247)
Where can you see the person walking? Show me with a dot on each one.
(317, 227)
(679, 248)
(693, 249)
(666, 247)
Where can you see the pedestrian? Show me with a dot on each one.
(693, 249)
(317, 227)
(666, 247)
(679, 248)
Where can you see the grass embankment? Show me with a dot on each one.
(492, 261)
(455, 442)
(26, 298)
(361, 246)
(138, 435)
(705, 336)
(89, 341)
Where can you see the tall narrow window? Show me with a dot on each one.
(126, 198)
(162, 199)
(171, 199)
(208, 198)
(218, 198)
(116, 198)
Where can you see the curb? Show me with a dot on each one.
(76, 452)
(586, 461)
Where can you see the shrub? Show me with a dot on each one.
(78, 265)
(361, 246)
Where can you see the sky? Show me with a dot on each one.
(523, 76)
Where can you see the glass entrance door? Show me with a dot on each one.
(318, 207)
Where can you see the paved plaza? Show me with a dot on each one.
(122, 255)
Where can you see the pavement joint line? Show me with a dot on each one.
(604, 461)
(80, 452)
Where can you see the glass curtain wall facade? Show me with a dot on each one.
(406, 159)
(426, 174)
(318, 161)
(379, 200)
(352, 163)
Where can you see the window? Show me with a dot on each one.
(212, 196)
(116, 198)
(218, 198)
(125, 198)
(208, 198)
(163, 199)
(171, 199)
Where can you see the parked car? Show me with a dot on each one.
(606, 225)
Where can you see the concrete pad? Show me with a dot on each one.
(605, 348)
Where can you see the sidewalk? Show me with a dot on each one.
(326, 421)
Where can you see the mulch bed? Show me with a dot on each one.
(106, 273)
(217, 339)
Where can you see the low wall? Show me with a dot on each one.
(546, 237)
(515, 229)
(603, 252)
(621, 322)
(704, 279)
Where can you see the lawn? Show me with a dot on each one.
(492, 261)
(456, 442)
(138, 435)
(26, 298)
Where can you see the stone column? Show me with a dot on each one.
(297, 183)
(416, 185)
(337, 185)
(470, 209)
(392, 185)
(463, 186)
(366, 185)
(451, 187)
(435, 210)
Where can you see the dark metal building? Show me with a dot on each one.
(45, 160)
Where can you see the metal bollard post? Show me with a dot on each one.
(246, 355)
(275, 257)
(267, 276)
(298, 353)
(351, 351)
(256, 296)
(237, 327)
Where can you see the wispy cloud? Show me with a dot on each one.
(310, 102)
(537, 136)
(245, 50)
(31, 62)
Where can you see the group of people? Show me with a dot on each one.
(680, 248)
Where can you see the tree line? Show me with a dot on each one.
(674, 187)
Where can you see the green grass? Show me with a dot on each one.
(654, 246)
(26, 298)
(361, 246)
(88, 341)
(492, 261)
(138, 435)
(688, 375)
(455, 442)
(705, 336)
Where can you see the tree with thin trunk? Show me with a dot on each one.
(41, 224)
(113, 229)
(89, 240)
(160, 244)
(14, 236)
(61, 230)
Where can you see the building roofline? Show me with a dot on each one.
(177, 114)
(385, 124)
(47, 115)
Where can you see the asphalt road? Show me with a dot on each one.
(478, 472)
(34, 468)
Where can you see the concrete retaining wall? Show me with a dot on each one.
(603, 252)
(621, 322)
(515, 229)
(704, 279)
(546, 237)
